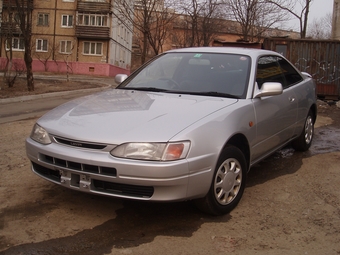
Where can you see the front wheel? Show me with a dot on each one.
(227, 185)
(304, 141)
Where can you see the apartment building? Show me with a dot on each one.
(76, 36)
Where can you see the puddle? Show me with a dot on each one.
(326, 140)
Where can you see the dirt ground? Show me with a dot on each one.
(291, 206)
(46, 85)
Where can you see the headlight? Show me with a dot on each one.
(152, 151)
(40, 135)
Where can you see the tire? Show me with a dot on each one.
(304, 141)
(227, 184)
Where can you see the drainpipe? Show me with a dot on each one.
(54, 29)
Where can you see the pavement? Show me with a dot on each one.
(108, 81)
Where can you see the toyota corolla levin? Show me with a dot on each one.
(188, 125)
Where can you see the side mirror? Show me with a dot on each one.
(307, 75)
(269, 89)
(120, 78)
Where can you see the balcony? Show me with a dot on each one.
(92, 32)
(12, 4)
(8, 28)
(94, 7)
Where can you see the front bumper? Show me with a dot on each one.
(98, 172)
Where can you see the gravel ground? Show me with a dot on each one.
(291, 206)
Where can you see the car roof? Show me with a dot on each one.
(231, 50)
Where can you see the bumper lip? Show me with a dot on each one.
(169, 180)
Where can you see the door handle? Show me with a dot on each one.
(291, 99)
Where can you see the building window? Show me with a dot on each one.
(92, 20)
(65, 47)
(41, 45)
(67, 21)
(17, 44)
(93, 48)
(42, 19)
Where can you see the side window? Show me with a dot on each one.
(291, 75)
(269, 70)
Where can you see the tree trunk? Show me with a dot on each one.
(145, 47)
(28, 62)
(304, 30)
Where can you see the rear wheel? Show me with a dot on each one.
(304, 141)
(227, 185)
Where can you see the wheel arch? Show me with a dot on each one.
(314, 110)
(240, 142)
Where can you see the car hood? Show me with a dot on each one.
(117, 116)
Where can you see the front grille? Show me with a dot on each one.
(53, 175)
(79, 144)
(123, 189)
(109, 171)
(98, 185)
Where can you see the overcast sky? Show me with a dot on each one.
(319, 9)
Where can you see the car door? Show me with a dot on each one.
(275, 115)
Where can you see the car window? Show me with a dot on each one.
(291, 75)
(159, 69)
(195, 73)
(276, 69)
(269, 70)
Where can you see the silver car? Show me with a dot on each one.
(188, 125)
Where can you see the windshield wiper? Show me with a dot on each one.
(219, 94)
(153, 89)
(201, 93)
(212, 94)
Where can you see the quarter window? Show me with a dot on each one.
(67, 21)
(41, 45)
(93, 48)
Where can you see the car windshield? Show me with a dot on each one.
(212, 74)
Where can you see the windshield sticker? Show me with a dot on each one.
(198, 56)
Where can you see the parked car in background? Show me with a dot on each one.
(188, 125)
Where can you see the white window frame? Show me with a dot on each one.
(69, 19)
(20, 42)
(96, 20)
(63, 49)
(40, 45)
(93, 47)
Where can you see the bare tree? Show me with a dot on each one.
(200, 22)
(44, 57)
(321, 28)
(24, 11)
(159, 29)
(181, 33)
(210, 21)
(9, 28)
(150, 19)
(255, 17)
(299, 9)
